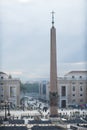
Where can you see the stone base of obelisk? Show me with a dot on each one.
(55, 118)
(57, 121)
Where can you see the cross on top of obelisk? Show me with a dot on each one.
(52, 17)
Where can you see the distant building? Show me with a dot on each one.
(72, 89)
(9, 89)
(44, 90)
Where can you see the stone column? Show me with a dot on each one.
(53, 75)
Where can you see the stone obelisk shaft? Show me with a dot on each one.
(53, 75)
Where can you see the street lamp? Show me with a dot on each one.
(8, 108)
(23, 106)
(5, 119)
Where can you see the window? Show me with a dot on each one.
(73, 94)
(73, 77)
(73, 88)
(81, 89)
(63, 91)
(12, 91)
(2, 77)
(44, 88)
(73, 100)
(81, 100)
(73, 82)
(80, 77)
(1, 83)
(81, 95)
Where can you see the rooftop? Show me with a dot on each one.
(76, 72)
(3, 73)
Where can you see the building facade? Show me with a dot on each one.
(9, 89)
(72, 89)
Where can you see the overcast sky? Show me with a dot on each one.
(25, 37)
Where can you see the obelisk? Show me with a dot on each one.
(53, 72)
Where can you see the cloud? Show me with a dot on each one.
(25, 1)
(26, 35)
(15, 1)
(64, 68)
(17, 73)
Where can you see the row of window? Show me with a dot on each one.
(81, 100)
(74, 77)
(81, 88)
(75, 83)
(63, 90)
(80, 94)
(3, 96)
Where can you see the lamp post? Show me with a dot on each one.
(8, 108)
(23, 106)
(5, 119)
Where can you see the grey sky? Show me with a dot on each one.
(25, 36)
